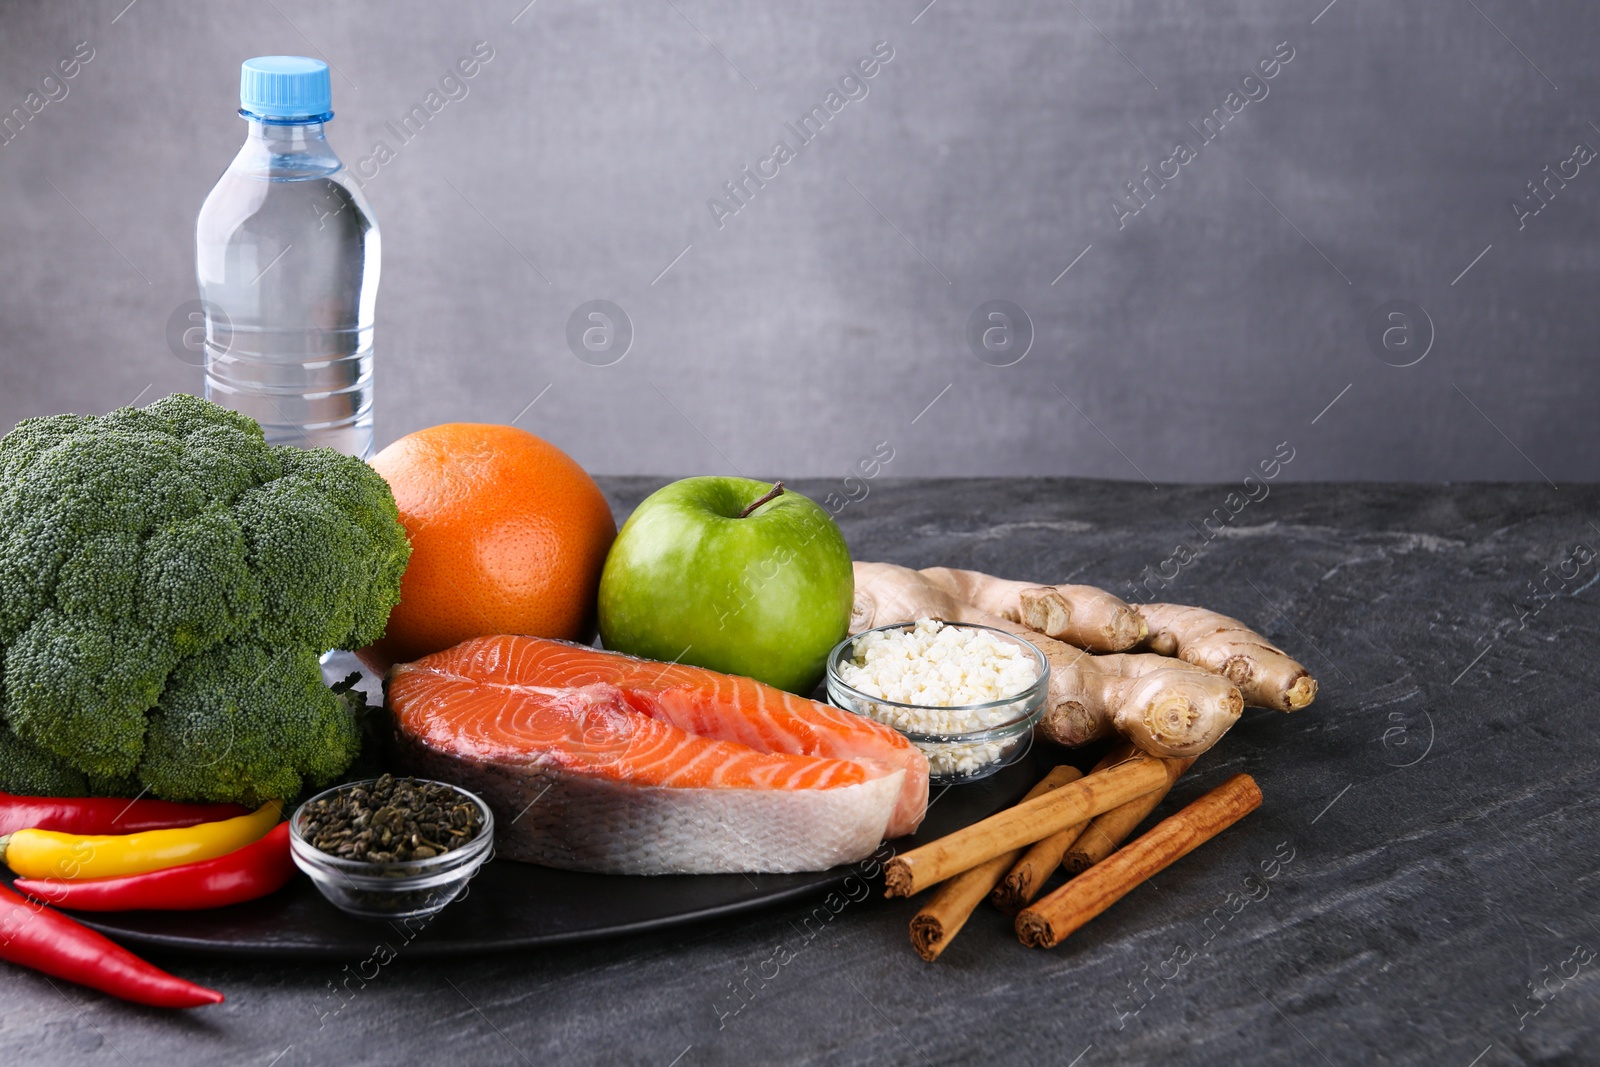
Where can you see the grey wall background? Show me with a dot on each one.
(828, 314)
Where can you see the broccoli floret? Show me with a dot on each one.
(30, 770)
(305, 528)
(101, 577)
(32, 436)
(80, 685)
(367, 502)
(167, 583)
(263, 719)
(187, 414)
(196, 585)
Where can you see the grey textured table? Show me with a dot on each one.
(1442, 902)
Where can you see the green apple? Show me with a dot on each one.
(730, 574)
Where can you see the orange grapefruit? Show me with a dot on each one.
(508, 536)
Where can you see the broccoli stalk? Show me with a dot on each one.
(167, 583)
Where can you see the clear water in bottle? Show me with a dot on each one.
(287, 256)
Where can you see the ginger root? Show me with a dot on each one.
(887, 593)
(1164, 706)
(1077, 614)
(1266, 675)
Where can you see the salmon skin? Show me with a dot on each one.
(596, 761)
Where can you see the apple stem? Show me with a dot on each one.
(772, 494)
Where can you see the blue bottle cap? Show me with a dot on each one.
(291, 88)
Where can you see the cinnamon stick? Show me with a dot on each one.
(1105, 832)
(1028, 875)
(1030, 821)
(941, 918)
(1047, 922)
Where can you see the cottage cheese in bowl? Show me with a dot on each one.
(968, 696)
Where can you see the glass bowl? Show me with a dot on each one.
(398, 890)
(1003, 730)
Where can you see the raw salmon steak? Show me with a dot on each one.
(596, 761)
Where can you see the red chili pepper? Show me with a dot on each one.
(246, 873)
(47, 941)
(105, 815)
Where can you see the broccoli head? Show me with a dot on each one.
(167, 583)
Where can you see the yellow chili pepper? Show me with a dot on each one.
(49, 854)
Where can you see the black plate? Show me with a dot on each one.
(518, 905)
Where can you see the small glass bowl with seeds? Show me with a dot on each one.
(392, 847)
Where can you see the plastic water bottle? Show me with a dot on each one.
(287, 256)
